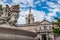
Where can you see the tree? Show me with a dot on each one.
(1, 8)
(56, 30)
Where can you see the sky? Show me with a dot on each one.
(39, 8)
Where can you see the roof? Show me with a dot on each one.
(34, 24)
(45, 22)
(25, 25)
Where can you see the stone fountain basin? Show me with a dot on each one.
(15, 34)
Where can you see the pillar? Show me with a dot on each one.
(40, 37)
(47, 36)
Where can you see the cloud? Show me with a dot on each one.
(38, 16)
(53, 9)
(24, 2)
(4, 2)
(58, 1)
(50, 15)
(56, 7)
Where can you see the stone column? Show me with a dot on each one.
(47, 36)
(40, 37)
(54, 36)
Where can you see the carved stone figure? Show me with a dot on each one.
(14, 14)
(9, 14)
(13, 18)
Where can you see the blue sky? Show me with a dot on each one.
(49, 8)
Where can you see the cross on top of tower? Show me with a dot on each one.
(44, 17)
(30, 14)
(29, 9)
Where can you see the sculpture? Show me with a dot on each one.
(14, 14)
(10, 15)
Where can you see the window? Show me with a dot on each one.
(29, 21)
(45, 27)
(40, 28)
(50, 27)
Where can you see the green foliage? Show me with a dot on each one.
(1, 8)
(56, 30)
(56, 18)
(57, 21)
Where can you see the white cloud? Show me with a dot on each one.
(58, 1)
(48, 18)
(38, 16)
(56, 7)
(52, 14)
(4, 2)
(37, 2)
(29, 2)
(51, 4)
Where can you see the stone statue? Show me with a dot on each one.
(10, 15)
(4, 15)
(13, 18)
(14, 15)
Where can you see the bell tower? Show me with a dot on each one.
(30, 17)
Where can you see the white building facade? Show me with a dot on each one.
(44, 31)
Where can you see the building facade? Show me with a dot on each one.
(43, 29)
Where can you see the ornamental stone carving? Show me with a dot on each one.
(9, 14)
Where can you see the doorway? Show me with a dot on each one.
(44, 37)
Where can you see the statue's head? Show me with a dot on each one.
(7, 5)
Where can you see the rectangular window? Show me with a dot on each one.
(45, 27)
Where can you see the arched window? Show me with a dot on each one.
(29, 21)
